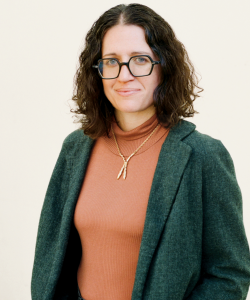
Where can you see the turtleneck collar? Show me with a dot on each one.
(129, 141)
(137, 133)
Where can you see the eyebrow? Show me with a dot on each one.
(132, 53)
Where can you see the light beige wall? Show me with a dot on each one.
(40, 44)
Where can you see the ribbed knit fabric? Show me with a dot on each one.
(110, 213)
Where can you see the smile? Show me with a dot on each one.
(127, 92)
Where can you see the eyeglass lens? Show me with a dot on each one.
(139, 66)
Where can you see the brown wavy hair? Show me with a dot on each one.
(173, 97)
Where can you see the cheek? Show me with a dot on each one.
(150, 84)
(155, 83)
(107, 86)
(157, 75)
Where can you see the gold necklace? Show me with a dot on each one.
(125, 162)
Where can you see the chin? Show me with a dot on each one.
(130, 109)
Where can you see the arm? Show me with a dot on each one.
(49, 227)
(225, 258)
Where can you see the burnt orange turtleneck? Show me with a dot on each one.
(110, 213)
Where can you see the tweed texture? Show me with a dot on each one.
(193, 246)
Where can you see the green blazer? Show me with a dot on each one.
(193, 246)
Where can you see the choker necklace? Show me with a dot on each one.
(124, 167)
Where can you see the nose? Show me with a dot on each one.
(125, 74)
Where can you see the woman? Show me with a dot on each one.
(140, 204)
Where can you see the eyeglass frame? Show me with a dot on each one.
(153, 62)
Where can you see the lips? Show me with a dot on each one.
(127, 92)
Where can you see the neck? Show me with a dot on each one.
(128, 121)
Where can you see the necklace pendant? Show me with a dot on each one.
(124, 167)
(123, 170)
(120, 173)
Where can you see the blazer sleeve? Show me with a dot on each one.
(47, 243)
(225, 255)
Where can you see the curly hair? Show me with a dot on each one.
(173, 97)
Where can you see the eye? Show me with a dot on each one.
(110, 62)
(141, 60)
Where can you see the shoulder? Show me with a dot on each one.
(76, 141)
(203, 142)
(77, 136)
(186, 132)
(211, 151)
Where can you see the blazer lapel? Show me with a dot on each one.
(172, 160)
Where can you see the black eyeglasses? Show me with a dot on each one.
(139, 66)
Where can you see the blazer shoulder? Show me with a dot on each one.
(208, 148)
(200, 140)
(76, 140)
(186, 132)
(75, 137)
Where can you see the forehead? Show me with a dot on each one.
(125, 39)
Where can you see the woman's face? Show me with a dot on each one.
(129, 94)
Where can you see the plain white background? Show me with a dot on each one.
(40, 45)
